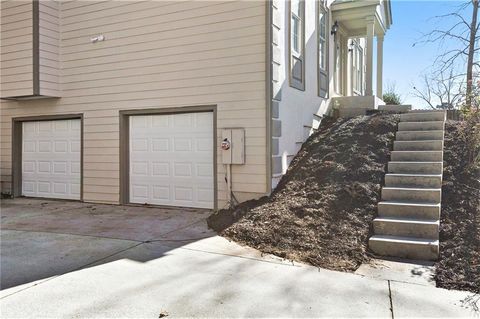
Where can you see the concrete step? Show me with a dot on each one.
(416, 156)
(423, 116)
(395, 108)
(418, 228)
(405, 247)
(421, 126)
(426, 111)
(413, 180)
(427, 145)
(419, 135)
(425, 168)
(409, 210)
(415, 195)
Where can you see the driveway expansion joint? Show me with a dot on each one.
(390, 298)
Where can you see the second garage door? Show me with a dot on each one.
(171, 159)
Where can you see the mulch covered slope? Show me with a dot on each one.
(322, 210)
(459, 263)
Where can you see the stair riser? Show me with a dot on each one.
(395, 108)
(405, 250)
(404, 211)
(405, 156)
(418, 145)
(315, 124)
(426, 111)
(422, 117)
(412, 195)
(417, 230)
(413, 181)
(419, 168)
(421, 126)
(418, 136)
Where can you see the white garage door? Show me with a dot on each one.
(171, 159)
(51, 159)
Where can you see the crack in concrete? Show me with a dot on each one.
(113, 238)
(390, 297)
(172, 231)
(283, 262)
(71, 234)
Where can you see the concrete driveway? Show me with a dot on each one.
(71, 259)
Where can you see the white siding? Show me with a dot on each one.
(296, 107)
(156, 54)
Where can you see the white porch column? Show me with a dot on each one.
(369, 62)
(380, 66)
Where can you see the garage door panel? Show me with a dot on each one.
(51, 159)
(44, 167)
(44, 187)
(171, 159)
(160, 169)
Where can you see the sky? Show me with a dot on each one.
(404, 63)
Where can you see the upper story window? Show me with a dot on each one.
(297, 44)
(322, 29)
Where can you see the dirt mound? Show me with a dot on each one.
(322, 210)
(459, 264)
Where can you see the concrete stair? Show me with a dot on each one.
(395, 108)
(415, 167)
(406, 227)
(408, 219)
(422, 145)
(419, 135)
(417, 156)
(414, 180)
(409, 210)
(405, 247)
(421, 126)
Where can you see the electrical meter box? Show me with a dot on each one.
(233, 146)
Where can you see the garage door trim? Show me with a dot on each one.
(125, 142)
(17, 138)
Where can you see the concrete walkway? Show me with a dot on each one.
(175, 265)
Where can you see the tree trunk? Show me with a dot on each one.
(471, 51)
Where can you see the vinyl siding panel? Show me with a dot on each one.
(155, 55)
(49, 48)
(24, 65)
(16, 49)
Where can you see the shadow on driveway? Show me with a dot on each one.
(45, 238)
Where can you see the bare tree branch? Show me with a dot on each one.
(463, 36)
(441, 90)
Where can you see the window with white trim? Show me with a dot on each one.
(297, 44)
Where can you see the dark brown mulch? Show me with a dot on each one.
(322, 210)
(459, 263)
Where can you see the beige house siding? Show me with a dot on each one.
(16, 58)
(156, 55)
(49, 35)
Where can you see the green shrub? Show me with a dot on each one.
(392, 98)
